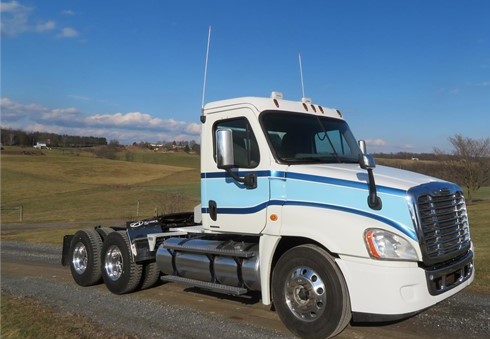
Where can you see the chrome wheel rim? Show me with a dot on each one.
(114, 263)
(80, 258)
(305, 294)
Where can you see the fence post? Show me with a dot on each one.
(21, 213)
(138, 208)
(156, 212)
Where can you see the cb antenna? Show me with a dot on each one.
(205, 74)
(301, 73)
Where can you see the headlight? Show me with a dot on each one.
(382, 244)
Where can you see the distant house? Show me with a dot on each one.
(40, 145)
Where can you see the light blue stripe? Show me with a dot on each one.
(254, 209)
(343, 183)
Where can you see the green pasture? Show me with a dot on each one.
(76, 186)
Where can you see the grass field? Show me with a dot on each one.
(62, 186)
(68, 186)
(479, 215)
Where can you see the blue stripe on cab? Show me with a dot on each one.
(307, 177)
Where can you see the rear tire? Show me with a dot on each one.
(85, 261)
(104, 232)
(151, 275)
(120, 273)
(309, 293)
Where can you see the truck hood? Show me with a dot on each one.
(384, 176)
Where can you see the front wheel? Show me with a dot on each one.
(120, 273)
(310, 293)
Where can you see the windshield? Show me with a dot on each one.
(305, 138)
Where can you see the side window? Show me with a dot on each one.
(245, 147)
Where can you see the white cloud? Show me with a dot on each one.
(483, 84)
(125, 127)
(15, 18)
(193, 129)
(47, 26)
(68, 32)
(8, 6)
(68, 12)
(376, 142)
(79, 97)
(13, 110)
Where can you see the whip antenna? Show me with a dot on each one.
(301, 73)
(205, 71)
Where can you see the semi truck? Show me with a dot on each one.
(294, 209)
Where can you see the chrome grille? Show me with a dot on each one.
(444, 228)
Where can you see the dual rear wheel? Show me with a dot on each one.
(93, 260)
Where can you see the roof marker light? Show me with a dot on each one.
(276, 95)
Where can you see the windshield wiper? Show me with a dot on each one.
(308, 159)
(328, 139)
(322, 160)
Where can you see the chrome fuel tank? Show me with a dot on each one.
(226, 262)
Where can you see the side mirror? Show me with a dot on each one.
(226, 159)
(366, 161)
(224, 149)
(362, 146)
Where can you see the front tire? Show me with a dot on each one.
(120, 273)
(85, 262)
(310, 293)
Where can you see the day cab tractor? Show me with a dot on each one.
(293, 208)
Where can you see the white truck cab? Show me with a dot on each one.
(293, 207)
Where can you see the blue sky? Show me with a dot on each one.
(405, 74)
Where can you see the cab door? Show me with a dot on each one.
(229, 205)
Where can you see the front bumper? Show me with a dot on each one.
(391, 290)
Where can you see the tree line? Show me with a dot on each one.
(12, 137)
(468, 164)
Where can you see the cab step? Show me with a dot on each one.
(206, 285)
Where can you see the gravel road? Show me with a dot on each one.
(173, 311)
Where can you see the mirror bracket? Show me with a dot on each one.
(249, 180)
(366, 161)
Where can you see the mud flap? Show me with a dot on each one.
(65, 256)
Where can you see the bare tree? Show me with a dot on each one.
(470, 162)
